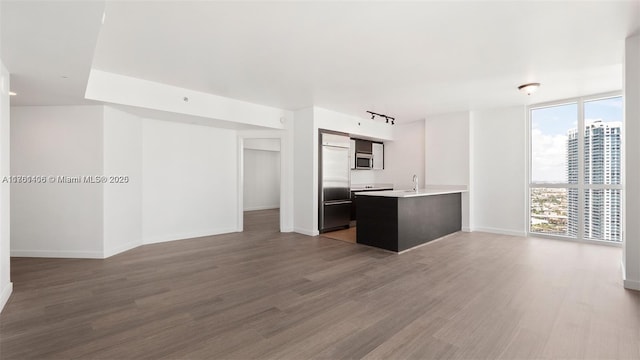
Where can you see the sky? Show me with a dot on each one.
(549, 128)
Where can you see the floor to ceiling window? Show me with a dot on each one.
(575, 188)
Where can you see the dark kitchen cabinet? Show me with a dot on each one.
(353, 198)
(353, 205)
(364, 146)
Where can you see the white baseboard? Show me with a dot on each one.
(465, 229)
(286, 229)
(501, 231)
(5, 294)
(188, 235)
(122, 248)
(263, 207)
(306, 231)
(628, 284)
(632, 285)
(58, 254)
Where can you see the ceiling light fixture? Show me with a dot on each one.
(11, 93)
(386, 117)
(529, 88)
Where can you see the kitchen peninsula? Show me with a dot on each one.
(399, 220)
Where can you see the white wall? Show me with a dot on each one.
(262, 144)
(261, 174)
(631, 256)
(261, 179)
(305, 174)
(448, 160)
(287, 187)
(125, 90)
(54, 219)
(499, 170)
(182, 181)
(122, 201)
(6, 286)
(405, 156)
(357, 127)
(189, 181)
(368, 176)
(447, 146)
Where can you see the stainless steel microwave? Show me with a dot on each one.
(364, 161)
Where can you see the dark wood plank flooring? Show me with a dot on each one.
(265, 294)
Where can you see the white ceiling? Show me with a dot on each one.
(48, 49)
(403, 59)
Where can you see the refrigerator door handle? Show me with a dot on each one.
(337, 202)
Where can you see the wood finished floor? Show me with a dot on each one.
(263, 294)
(348, 235)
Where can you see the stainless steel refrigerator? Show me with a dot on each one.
(334, 194)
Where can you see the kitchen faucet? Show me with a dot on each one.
(415, 183)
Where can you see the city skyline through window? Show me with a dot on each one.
(575, 186)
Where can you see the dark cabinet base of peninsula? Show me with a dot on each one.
(398, 224)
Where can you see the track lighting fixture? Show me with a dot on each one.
(386, 117)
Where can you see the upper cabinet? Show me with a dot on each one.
(378, 156)
(363, 146)
(371, 153)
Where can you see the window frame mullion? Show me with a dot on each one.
(581, 172)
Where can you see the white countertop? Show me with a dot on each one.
(429, 190)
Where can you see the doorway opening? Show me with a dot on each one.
(261, 185)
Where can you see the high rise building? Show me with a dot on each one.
(572, 178)
(602, 207)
